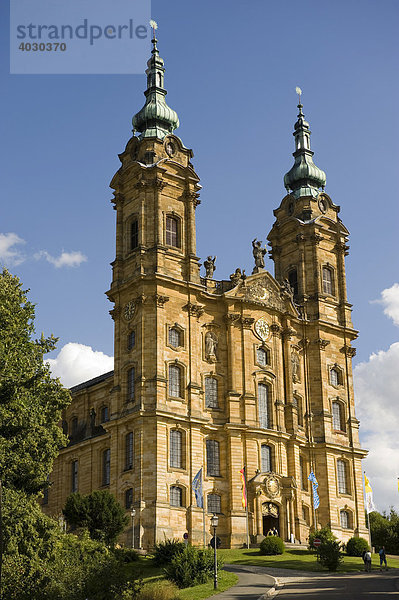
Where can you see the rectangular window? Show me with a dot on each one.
(263, 405)
(214, 503)
(75, 470)
(104, 414)
(134, 235)
(327, 281)
(211, 392)
(174, 337)
(212, 458)
(261, 357)
(130, 384)
(176, 461)
(336, 412)
(304, 474)
(106, 467)
(174, 381)
(266, 458)
(129, 498)
(172, 232)
(344, 518)
(129, 451)
(341, 473)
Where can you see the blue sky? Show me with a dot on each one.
(231, 72)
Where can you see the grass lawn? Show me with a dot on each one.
(145, 570)
(301, 559)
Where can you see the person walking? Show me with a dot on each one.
(383, 558)
(367, 561)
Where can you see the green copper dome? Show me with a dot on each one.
(155, 119)
(304, 179)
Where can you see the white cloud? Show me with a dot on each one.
(390, 301)
(65, 259)
(77, 363)
(10, 255)
(377, 407)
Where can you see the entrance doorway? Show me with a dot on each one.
(270, 518)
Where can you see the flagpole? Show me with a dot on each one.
(203, 517)
(314, 508)
(367, 513)
(246, 504)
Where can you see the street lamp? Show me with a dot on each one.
(133, 514)
(214, 524)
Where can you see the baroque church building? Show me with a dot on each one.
(251, 371)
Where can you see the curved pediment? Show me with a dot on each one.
(263, 289)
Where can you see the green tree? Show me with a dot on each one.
(99, 512)
(31, 400)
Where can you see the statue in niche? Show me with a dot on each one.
(209, 265)
(295, 367)
(237, 275)
(259, 256)
(211, 344)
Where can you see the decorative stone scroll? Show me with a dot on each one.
(349, 351)
(161, 300)
(195, 310)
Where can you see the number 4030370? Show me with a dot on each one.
(42, 47)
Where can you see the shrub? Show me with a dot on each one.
(165, 551)
(356, 546)
(329, 554)
(159, 590)
(272, 545)
(126, 555)
(324, 535)
(191, 566)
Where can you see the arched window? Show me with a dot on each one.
(174, 337)
(293, 281)
(129, 498)
(131, 340)
(104, 414)
(172, 232)
(175, 381)
(265, 458)
(176, 495)
(75, 475)
(337, 415)
(328, 284)
(335, 376)
(262, 357)
(344, 519)
(134, 234)
(211, 392)
(176, 449)
(130, 384)
(106, 466)
(263, 405)
(129, 451)
(212, 458)
(342, 477)
(214, 504)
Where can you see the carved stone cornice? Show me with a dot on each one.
(316, 238)
(140, 299)
(322, 343)
(193, 309)
(304, 342)
(300, 238)
(341, 247)
(160, 300)
(231, 318)
(118, 199)
(192, 197)
(348, 351)
(115, 312)
(247, 322)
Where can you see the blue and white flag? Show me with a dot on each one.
(315, 485)
(197, 487)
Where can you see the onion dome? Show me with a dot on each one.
(304, 179)
(155, 119)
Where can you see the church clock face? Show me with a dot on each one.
(262, 329)
(128, 311)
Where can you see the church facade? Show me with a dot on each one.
(252, 371)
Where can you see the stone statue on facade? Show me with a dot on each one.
(259, 255)
(287, 288)
(209, 265)
(237, 276)
(211, 344)
(295, 367)
(92, 421)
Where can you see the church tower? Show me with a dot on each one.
(214, 376)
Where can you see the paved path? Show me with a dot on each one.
(255, 581)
